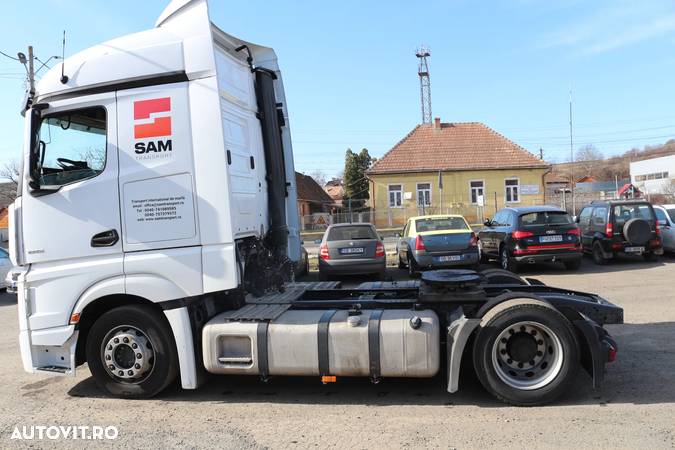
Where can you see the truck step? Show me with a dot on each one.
(54, 369)
(254, 312)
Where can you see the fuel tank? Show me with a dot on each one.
(408, 343)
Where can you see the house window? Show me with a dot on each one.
(423, 194)
(395, 195)
(512, 190)
(476, 190)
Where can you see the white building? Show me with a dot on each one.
(654, 176)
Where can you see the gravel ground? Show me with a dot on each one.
(635, 409)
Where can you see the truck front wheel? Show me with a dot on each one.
(525, 352)
(131, 352)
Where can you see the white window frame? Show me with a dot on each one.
(400, 191)
(482, 188)
(507, 187)
(417, 192)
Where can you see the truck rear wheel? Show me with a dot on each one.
(131, 352)
(525, 352)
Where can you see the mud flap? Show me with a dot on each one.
(459, 330)
(598, 344)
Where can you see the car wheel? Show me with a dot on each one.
(525, 352)
(131, 352)
(573, 264)
(401, 264)
(598, 257)
(506, 261)
(413, 268)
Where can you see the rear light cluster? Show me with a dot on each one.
(379, 250)
(521, 234)
(658, 230)
(419, 243)
(323, 252)
(474, 240)
(575, 231)
(609, 230)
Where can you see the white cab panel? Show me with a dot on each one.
(156, 163)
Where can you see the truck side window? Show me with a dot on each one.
(73, 146)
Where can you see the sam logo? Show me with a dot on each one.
(152, 120)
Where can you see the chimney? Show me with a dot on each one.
(437, 123)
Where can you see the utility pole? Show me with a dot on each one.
(541, 153)
(425, 83)
(31, 72)
(574, 204)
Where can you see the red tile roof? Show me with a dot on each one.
(455, 146)
(309, 190)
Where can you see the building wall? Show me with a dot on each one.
(659, 174)
(456, 196)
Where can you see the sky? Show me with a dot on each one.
(350, 70)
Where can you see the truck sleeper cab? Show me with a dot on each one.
(156, 229)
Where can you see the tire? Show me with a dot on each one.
(555, 356)
(573, 264)
(598, 258)
(401, 264)
(506, 262)
(153, 372)
(413, 268)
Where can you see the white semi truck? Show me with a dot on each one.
(156, 229)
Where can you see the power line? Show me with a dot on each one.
(10, 57)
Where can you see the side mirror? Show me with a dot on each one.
(399, 235)
(381, 238)
(575, 219)
(487, 223)
(302, 242)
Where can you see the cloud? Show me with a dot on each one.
(613, 27)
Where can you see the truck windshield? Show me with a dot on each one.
(440, 224)
(539, 218)
(351, 233)
(72, 146)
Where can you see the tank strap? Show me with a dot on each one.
(322, 337)
(263, 363)
(374, 343)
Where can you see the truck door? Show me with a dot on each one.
(71, 217)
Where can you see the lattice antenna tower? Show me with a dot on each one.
(425, 82)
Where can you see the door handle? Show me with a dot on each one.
(105, 239)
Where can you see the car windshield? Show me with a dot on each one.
(440, 224)
(623, 213)
(671, 213)
(539, 218)
(351, 233)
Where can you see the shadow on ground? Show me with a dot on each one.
(643, 374)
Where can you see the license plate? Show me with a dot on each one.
(449, 258)
(352, 250)
(634, 249)
(554, 238)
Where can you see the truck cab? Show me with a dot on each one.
(149, 166)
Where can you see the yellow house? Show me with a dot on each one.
(458, 168)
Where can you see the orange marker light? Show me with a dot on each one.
(328, 379)
(74, 318)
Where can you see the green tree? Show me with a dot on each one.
(356, 183)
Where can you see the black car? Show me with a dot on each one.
(530, 235)
(620, 227)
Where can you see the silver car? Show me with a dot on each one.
(351, 249)
(666, 217)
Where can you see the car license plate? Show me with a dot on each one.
(352, 250)
(634, 249)
(449, 258)
(554, 238)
